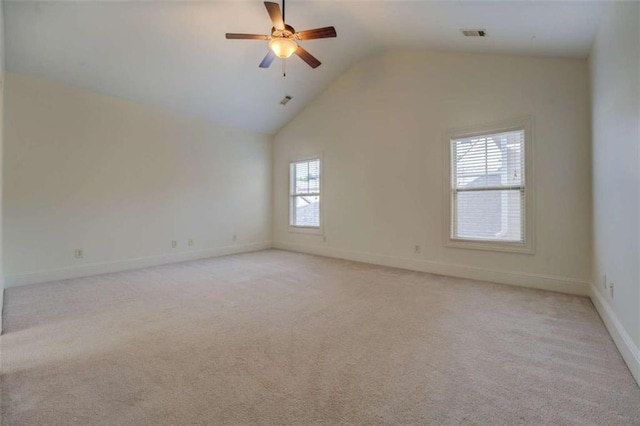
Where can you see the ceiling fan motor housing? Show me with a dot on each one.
(287, 32)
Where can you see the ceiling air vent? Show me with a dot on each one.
(474, 33)
(285, 100)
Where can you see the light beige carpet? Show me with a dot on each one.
(282, 338)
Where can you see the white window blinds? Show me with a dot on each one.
(305, 194)
(488, 187)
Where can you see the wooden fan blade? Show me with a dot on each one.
(274, 13)
(266, 62)
(308, 57)
(326, 32)
(234, 36)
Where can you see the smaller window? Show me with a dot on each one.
(305, 194)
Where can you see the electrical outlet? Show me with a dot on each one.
(78, 254)
(611, 289)
(604, 281)
(417, 249)
(191, 243)
(174, 244)
(235, 237)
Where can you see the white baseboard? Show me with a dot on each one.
(543, 282)
(628, 349)
(124, 265)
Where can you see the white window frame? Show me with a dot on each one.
(526, 247)
(305, 229)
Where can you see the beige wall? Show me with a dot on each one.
(380, 130)
(2, 68)
(121, 181)
(615, 87)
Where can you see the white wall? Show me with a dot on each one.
(2, 68)
(121, 181)
(380, 128)
(615, 87)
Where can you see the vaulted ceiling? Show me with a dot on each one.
(174, 55)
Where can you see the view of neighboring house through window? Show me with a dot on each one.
(305, 194)
(488, 187)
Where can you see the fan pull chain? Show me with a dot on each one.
(284, 62)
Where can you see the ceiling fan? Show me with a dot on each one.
(283, 39)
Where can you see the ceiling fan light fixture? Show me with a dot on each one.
(283, 47)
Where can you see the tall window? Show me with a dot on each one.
(305, 194)
(489, 189)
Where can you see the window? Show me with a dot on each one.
(305, 194)
(489, 192)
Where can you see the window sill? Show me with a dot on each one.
(305, 230)
(520, 248)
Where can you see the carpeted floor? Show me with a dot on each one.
(282, 338)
